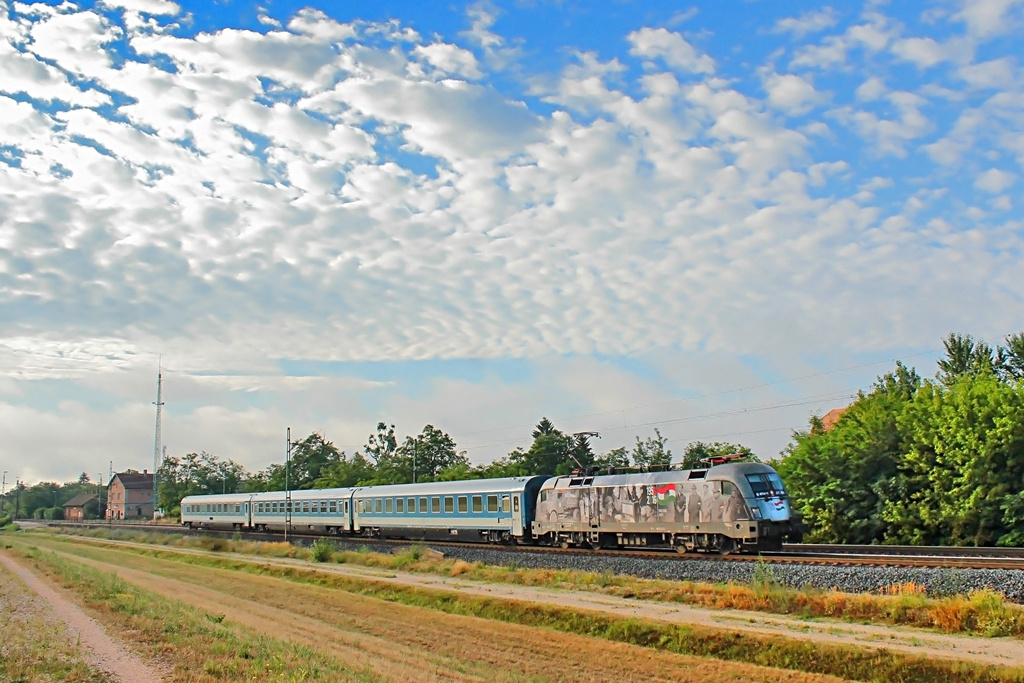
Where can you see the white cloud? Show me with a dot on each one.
(924, 52)
(792, 94)
(808, 22)
(672, 48)
(994, 181)
(871, 89)
(158, 7)
(987, 18)
(450, 59)
(993, 74)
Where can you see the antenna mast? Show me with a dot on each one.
(156, 446)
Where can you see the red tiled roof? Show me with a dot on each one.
(134, 480)
(828, 421)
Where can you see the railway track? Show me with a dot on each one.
(816, 554)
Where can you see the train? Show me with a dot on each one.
(726, 506)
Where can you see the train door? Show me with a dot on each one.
(517, 515)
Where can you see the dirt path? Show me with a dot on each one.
(998, 651)
(100, 650)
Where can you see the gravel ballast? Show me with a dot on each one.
(850, 579)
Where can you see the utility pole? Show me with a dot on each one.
(17, 497)
(287, 487)
(156, 446)
(3, 493)
(414, 461)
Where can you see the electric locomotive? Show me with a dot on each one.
(729, 506)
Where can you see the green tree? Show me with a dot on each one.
(1010, 358)
(651, 452)
(964, 356)
(195, 474)
(346, 472)
(959, 482)
(842, 480)
(431, 453)
(615, 459)
(697, 453)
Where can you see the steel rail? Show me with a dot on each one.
(815, 554)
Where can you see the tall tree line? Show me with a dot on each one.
(921, 461)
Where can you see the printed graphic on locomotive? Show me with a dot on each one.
(690, 502)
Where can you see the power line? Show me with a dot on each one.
(706, 416)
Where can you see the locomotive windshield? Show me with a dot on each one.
(766, 485)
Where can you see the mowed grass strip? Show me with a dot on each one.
(981, 613)
(198, 645)
(34, 644)
(850, 663)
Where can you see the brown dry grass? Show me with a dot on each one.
(407, 643)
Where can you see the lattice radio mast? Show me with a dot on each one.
(156, 445)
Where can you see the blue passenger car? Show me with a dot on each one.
(327, 511)
(222, 511)
(483, 510)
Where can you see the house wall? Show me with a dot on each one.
(130, 503)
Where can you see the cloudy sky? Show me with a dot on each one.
(714, 219)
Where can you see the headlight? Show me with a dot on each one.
(756, 512)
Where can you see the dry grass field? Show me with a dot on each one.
(219, 617)
(393, 642)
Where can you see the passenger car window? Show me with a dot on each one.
(423, 504)
(515, 504)
(449, 504)
(435, 504)
(506, 504)
(478, 504)
(399, 505)
(387, 505)
(492, 503)
(463, 504)
(334, 506)
(378, 505)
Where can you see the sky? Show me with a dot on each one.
(713, 219)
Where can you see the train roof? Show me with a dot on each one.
(296, 494)
(304, 494)
(441, 488)
(727, 471)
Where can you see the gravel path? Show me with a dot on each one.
(101, 651)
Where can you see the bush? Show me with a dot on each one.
(322, 550)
